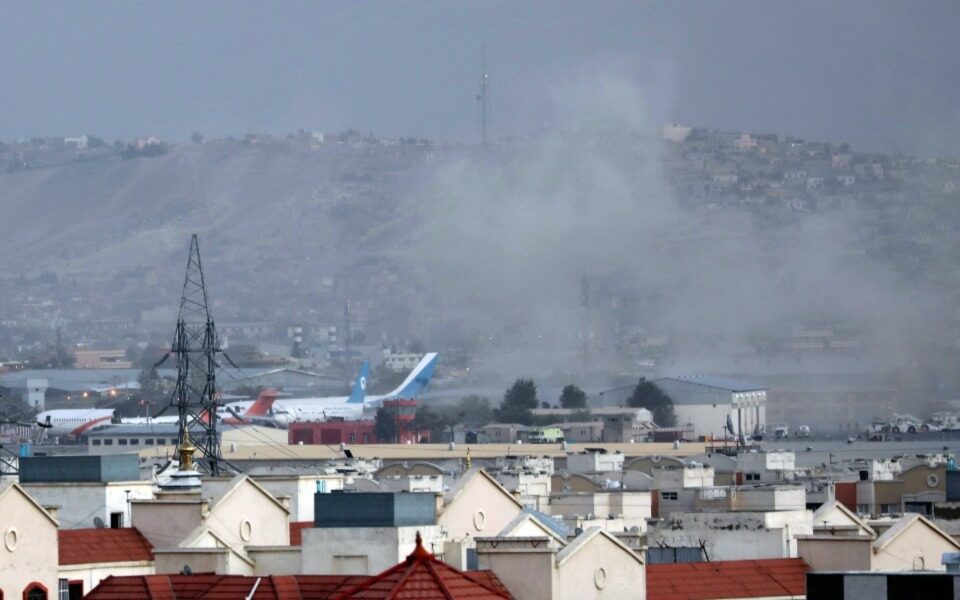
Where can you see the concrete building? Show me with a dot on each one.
(594, 565)
(595, 462)
(210, 530)
(101, 359)
(401, 361)
(735, 535)
(912, 544)
(365, 533)
(476, 505)
(765, 467)
(715, 405)
(86, 491)
(613, 510)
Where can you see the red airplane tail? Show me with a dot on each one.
(262, 405)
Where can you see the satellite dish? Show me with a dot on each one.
(98, 523)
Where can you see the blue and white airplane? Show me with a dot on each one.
(349, 407)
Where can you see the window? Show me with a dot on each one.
(116, 520)
(76, 590)
(668, 495)
(108, 442)
(752, 476)
(863, 509)
(148, 441)
(366, 438)
(96, 442)
(122, 441)
(35, 591)
(352, 438)
(134, 442)
(63, 586)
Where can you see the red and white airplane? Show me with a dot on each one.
(74, 422)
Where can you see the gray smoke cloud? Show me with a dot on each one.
(508, 235)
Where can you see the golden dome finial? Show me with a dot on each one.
(186, 450)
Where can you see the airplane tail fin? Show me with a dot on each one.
(264, 402)
(418, 379)
(360, 385)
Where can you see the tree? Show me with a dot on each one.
(518, 403)
(385, 426)
(648, 395)
(430, 420)
(573, 397)
(475, 411)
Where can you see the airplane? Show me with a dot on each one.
(261, 412)
(73, 421)
(351, 407)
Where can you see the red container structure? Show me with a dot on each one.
(359, 432)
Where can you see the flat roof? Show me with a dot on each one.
(273, 451)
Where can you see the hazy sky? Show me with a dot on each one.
(881, 75)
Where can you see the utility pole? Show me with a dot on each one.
(482, 96)
(584, 326)
(196, 346)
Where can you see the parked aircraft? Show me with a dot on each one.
(73, 421)
(351, 407)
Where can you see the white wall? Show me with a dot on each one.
(301, 490)
(79, 503)
(737, 536)
(362, 550)
(707, 419)
(92, 575)
(28, 545)
(594, 461)
(602, 570)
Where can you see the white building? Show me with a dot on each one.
(736, 535)
(714, 405)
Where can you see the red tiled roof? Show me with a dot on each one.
(83, 546)
(474, 585)
(727, 579)
(222, 587)
(296, 531)
(422, 577)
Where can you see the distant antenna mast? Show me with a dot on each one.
(196, 346)
(585, 324)
(347, 335)
(482, 96)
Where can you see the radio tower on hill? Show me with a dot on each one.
(196, 347)
(482, 96)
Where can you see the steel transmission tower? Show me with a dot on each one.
(196, 346)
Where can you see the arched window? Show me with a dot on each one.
(35, 591)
